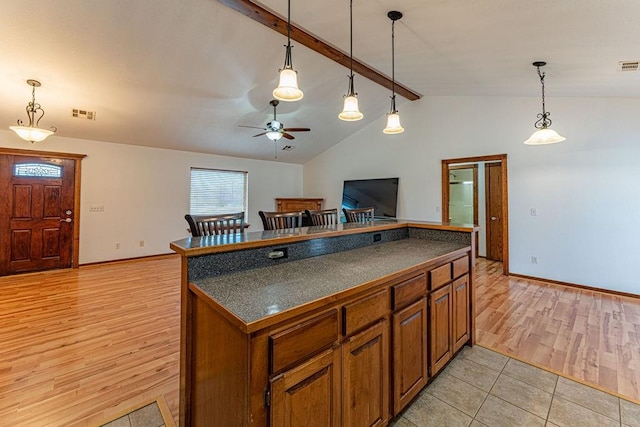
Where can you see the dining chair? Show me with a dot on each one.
(281, 220)
(211, 225)
(358, 215)
(323, 217)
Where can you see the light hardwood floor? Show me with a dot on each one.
(592, 337)
(77, 346)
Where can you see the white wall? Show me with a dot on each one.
(145, 193)
(585, 189)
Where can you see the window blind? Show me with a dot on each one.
(215, 191)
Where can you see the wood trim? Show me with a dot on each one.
(505, 196)
(276, 23)
(35, 153)
(578, 286)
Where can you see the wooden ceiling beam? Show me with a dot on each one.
(276, 23)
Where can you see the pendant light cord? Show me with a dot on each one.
(351, 36)
(542, 82)
(393, 67)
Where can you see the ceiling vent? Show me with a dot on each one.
(287, 148)
(628, 65)
(83, 114)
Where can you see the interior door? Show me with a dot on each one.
(37, 215)
(493, 188)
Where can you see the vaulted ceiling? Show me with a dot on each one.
(183, 74)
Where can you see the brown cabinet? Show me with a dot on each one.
(355, 359)
(409, 353)
(298, 204)
(365, 367)
(461, 312)
(450, 312)
(440, 328)
(309, 394)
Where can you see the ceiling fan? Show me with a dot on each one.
(275, 129)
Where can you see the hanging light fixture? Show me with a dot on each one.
(287, 89)
(393, 119)
(350, 111)
(32, 132)
(544, 134)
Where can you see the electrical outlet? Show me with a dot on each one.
(117, 245)
(534, 260)
(141, 243)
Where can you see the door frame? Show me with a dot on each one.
(77, 159)
(505, 197)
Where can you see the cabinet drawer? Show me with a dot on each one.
(409, 291)
(440, 276)
(303, 340)
(364, 311)
(460, 266)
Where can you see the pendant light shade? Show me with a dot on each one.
(32, 132)
(393, 124)
(350, 111)
(287, 89)
(544, 134)
(393, 119)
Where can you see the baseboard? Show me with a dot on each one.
(574, 285)
(168, 254)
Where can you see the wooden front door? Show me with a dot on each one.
(493, 188)
(37, 229)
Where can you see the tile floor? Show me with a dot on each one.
(483, 388)
(147, 416)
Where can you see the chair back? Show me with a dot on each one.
(323, 217)
(281, 220)
(358, 215)
(211, 225)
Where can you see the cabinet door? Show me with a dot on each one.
(365, 377)
(461, 317)
(441, 318)
(309, 394)
(409, 353)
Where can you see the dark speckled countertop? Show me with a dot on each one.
(256, 294)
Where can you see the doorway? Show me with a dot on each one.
(39, 218)
(489, 206)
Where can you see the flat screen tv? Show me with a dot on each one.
(381, 194)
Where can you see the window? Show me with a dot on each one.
(37, 169)
(215, 191)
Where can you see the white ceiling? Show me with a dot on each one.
(183, 74)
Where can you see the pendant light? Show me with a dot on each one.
(287, 89)
(393, 119)
(32, 132)
(350, 111)
(544, 134)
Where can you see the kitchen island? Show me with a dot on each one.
(339, 325)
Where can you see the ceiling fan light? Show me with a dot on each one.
(350, 111)
(544, 136)
(393, 124)
(274, 135)
(31, 134)
(287, 89)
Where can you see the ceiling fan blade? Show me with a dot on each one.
(296, 129)
(260, 134)
(286, 135)
(250, 127)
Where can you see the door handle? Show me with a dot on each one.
(493, 218)
(67, 220)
